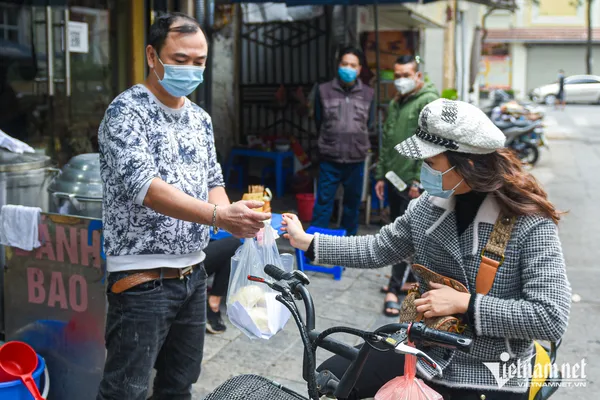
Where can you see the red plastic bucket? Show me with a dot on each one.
(306, 202)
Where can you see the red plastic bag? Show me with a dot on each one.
(407, 386)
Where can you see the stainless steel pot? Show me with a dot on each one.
(78, 189)
(24, 179)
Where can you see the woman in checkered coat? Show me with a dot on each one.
(469, 179)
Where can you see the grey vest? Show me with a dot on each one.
(344, 134)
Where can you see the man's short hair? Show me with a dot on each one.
(162, 26)
(352, 50)
(408, 59)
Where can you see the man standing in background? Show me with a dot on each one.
(402, 121)
(561, 100)
(344, 113)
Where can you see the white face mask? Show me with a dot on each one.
(405, 85)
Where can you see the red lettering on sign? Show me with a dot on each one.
(35, 286)
(74, 281)
(63, 244)
(57, 293)
(47, 241)
(87, 250)
(21, 252)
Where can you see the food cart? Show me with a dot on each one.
(54, 296)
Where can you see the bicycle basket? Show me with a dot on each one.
(252, 387)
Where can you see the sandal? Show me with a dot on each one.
(391, 305)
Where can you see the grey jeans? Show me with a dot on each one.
(158, 324)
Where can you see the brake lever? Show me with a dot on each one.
(279, 286)
(403, 348)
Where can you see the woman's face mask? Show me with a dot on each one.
(433, 182)
(180, 80)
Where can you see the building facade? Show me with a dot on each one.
(525, 49)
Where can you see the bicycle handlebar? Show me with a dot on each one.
(275, 272)
(417, 333)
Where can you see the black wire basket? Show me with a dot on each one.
(252, 387)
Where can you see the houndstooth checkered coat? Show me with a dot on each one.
(530, 298)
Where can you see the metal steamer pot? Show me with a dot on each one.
(78, 189)
(24, 179)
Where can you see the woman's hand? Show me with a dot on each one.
(295, 232)
(442, 301)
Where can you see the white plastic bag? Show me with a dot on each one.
(251, 306)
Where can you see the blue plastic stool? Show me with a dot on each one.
(270, 170)
(239, 169)
(304, 263)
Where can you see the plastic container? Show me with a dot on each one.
(15, 390)
(306, 203)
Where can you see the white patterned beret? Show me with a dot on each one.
(452, 125)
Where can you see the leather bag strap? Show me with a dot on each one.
(496, 246)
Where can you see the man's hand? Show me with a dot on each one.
(240, 220)
(442, 301)
(380, 189)
(414, 192)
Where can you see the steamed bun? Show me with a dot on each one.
(260, 317)
(250, 296)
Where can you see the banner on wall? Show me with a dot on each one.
(496, 73)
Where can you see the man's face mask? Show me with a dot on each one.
(180, 80)
(405, 85)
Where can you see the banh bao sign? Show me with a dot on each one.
(61, 273)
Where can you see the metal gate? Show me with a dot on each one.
(279, 65)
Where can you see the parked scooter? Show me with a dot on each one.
(524, 137)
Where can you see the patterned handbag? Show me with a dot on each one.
(409, 313)
(486, 274)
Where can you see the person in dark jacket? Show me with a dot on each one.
(344, 113)
(560, 97)
(401, 122)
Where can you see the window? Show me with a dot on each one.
(580, 80)
(9, 23)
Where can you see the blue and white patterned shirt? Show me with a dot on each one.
(141, 139)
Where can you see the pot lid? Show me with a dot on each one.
(80, 177)
(15, 162)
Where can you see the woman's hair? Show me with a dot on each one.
(501, 174)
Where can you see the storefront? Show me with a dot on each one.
(61, 64)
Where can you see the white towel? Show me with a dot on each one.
(19, 227)
(14, 145)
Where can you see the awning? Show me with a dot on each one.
(397, 17)
(541, 35)
(293, 3)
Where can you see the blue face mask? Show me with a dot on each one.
(180, 80)
(433, 182)
(347, 74)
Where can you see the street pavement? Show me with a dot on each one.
(570, 172)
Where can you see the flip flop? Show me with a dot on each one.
(394, 305)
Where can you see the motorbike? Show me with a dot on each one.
(291, 286)
(524, 137)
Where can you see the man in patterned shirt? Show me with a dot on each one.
(163, 191)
